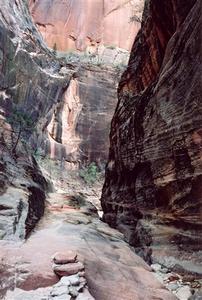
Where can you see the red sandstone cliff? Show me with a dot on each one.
(152, 190)
(76, 24)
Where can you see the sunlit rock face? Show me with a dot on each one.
(77, 24)
(71, 116)
(79, 127)
(152, 190)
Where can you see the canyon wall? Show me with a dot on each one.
(80, 124)
(49, 106)
(77, 24)
(152, 189)
(29, 86)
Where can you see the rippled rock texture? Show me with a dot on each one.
(78, 24)
(152, 190)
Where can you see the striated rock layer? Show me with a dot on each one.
(77, 24)
(152, 190)
(29, 86)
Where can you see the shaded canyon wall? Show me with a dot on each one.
(29, 86)
(152, 189)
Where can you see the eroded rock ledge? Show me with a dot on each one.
(152, 190)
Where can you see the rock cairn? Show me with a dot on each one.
(72, 284)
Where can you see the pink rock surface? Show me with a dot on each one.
(68, 269)
(112, 270)
(64, 257)
(76, 24)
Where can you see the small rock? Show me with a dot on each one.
(60, 290)
(85, 296)
(195, 284)
(65, 281)
(83, 280)
(73, 291)
(164, 270)
(81, 274)
(64, 71)
(197, 295)
(62, 297)
(156, 267)
(80, 288)
(68, 269)
(82, 284)
(188, 278)
(184, 293)
(172, 286)
(172, 277)
(64, 258)
(73, 279)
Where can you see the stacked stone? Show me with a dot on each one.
(72, 284)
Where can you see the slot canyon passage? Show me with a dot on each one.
(100, 150)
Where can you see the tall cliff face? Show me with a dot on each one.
(152, 189)
(29, 86)
(80, 124)
(78, 24)
(62, 115)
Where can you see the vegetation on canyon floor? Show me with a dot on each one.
(56, 170)
(90, 174)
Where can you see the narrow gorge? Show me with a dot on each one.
(100, 150)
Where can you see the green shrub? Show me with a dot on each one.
(112, 47)
(90, 174)
(21, 123)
